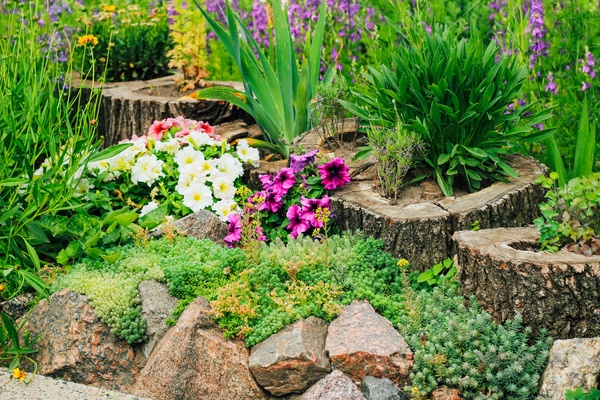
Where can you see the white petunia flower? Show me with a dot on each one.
(223, 187)
(138, 146)
(147, 169)
(197, 139)
(223, 208)
(170, 146)
(229, 166)
(197, 197)
(188, 156)
(83, 187)
(122, 161)
(188, 174)
(148, 207)
(248, 154)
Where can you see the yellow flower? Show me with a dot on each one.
(403, 263)
(18, 374)
(87, 39)
(109, 8)
(2, 287)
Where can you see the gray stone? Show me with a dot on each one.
(202, 224)
(44, 388)
(157, 306)
(17, 306)
(335, 386)
(292, 359)
(573, 363)
(362, 343)
(194, 361)
(381, 389)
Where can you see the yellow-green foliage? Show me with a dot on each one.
(188, 32)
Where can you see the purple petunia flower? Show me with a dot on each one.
(309, 208)
(235, 229)
(273, 200)
(283, 181)
(297, 163)
(334, 174)
(297, 224)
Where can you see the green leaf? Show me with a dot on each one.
(437, 268)
(425, 276)
(109, 152)
(155, 217)
(111, 258)
(35, 282)
(13, 182)
(33, 256)
(9, 325)
(127, 218)
(585, 145)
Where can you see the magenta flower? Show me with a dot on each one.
(307, 213)
(235, 229)
(334, 174)
(158, 129)
(266, 180)
(585, 86)
(297, 224)
(297, 163)
(283, 181)
(273, 200)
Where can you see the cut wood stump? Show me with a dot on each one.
(129, 108)
(557, 291)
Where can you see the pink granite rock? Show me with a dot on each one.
(194, 361)
(335, 386)
(76, 346)
(292, 359)
(362, 343)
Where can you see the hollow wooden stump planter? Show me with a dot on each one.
(420, 226)
(130, 108)
(558, 291)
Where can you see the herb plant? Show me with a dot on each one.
(571, 215)
(16, 346)
(453, 94)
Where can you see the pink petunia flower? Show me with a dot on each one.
(235, 229)
(334, 174)
(158, 129)
(283, 181)
(297, 224)
(273, 200)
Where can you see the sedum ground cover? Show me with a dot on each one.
(255, 297)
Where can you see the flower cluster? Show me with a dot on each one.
(183, 161)
(538, 43)
(293, 201)
(587, 67)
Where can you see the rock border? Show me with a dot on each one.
(558, 291)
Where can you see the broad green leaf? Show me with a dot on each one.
(111, 258)
(585, 144)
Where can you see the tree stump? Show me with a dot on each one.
(557, 291)
(129, 108)
(419, 226)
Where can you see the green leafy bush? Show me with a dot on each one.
(580, 394)
(462, 347)
(571, 215)
(454, 94)
(132, 45)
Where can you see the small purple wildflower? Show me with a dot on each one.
(538, 45)
(551, 86)
(585, 86)
(334, 174)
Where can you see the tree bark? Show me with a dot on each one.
(127, 109)
(557, 291)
